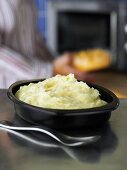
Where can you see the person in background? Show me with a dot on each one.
(23, 53)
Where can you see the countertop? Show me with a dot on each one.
(109, 153)
(113, 80)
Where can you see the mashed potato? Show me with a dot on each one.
(60, 92)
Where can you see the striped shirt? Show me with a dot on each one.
(23, 53)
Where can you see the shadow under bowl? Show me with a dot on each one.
(64, 119)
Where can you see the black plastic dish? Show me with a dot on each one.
(64, 119)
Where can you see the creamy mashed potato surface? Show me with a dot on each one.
(60, 92)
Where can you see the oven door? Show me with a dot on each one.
(81, 25)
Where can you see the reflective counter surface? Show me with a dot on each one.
(24, 151)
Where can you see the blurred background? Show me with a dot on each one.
(95, 31)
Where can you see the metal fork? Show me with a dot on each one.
(59, 137)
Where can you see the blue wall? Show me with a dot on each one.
(42, 17)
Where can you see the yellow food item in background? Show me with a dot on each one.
(60, 92)
(91, 60)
